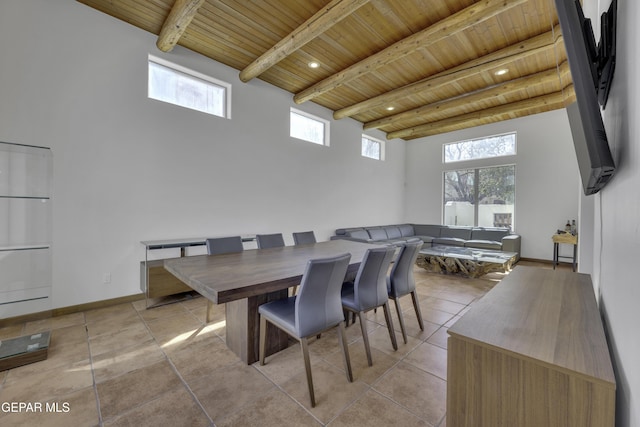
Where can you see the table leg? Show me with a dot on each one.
(243, 327)
(555, 255)
(575, 252)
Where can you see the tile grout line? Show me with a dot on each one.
(93, 373)
(173, 366)
(282, 390)
(402, 360)
(153, 339)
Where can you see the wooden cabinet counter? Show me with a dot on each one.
(532, 352)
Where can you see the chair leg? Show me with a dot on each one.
(307, 367)
(348, 314)
(263, 338)
(400, 318)
(392, 332)
(345, 351)
(365, 337)
(416, 306)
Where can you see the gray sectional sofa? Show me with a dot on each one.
(473, 237)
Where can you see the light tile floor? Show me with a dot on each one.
(128, 366)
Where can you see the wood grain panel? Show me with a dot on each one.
(161, 282)
(493, 388)
(229, 277)
(243, 324)
(531, 353)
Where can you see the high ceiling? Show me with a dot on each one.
(410, 68)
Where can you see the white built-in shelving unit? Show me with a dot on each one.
(25, 227)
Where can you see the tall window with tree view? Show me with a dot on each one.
(480, 196)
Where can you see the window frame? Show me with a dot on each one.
(179, 69)
(475, 166)
(381, 143)
(476, 170)
(472, 140)
(326, 127)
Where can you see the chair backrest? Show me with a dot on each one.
(370, 286)
(266, 241)
(318, 304)
(304, 237)
(401, 280)
(224, 245)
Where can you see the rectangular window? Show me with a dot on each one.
(372, 148)
(481, 148)
(178, 85)
(482, 197)
(308, 127)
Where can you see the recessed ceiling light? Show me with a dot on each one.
(313, 64)
(501, 72)
(391, 108)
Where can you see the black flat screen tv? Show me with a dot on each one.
(595, 161)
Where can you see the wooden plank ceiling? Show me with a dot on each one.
(411, 68)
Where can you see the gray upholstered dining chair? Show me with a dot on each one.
(224, 245)
(266, 241)
(369, 291)
(401, 281)
(315, 309)
(218, 246)
(304, 237)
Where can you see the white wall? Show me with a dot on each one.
(127, 168)
(547, 179)
(617, 215)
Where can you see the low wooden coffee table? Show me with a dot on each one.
(468, 261)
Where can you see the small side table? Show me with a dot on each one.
(568, 239)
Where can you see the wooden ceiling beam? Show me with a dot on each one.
(177, 21)
(498, 59)
(556, 75)
(470, 16)
(547, 102)
(313, 27)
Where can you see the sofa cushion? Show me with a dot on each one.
(377, 233)
(463, 233)
(427, 230)
(451, 241)
(393, 232)
(358, 234)
(495, 234)
(484, 244)
(406, 230)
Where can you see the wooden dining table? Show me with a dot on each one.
(245, 280)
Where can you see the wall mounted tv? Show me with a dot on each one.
(592, 71)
